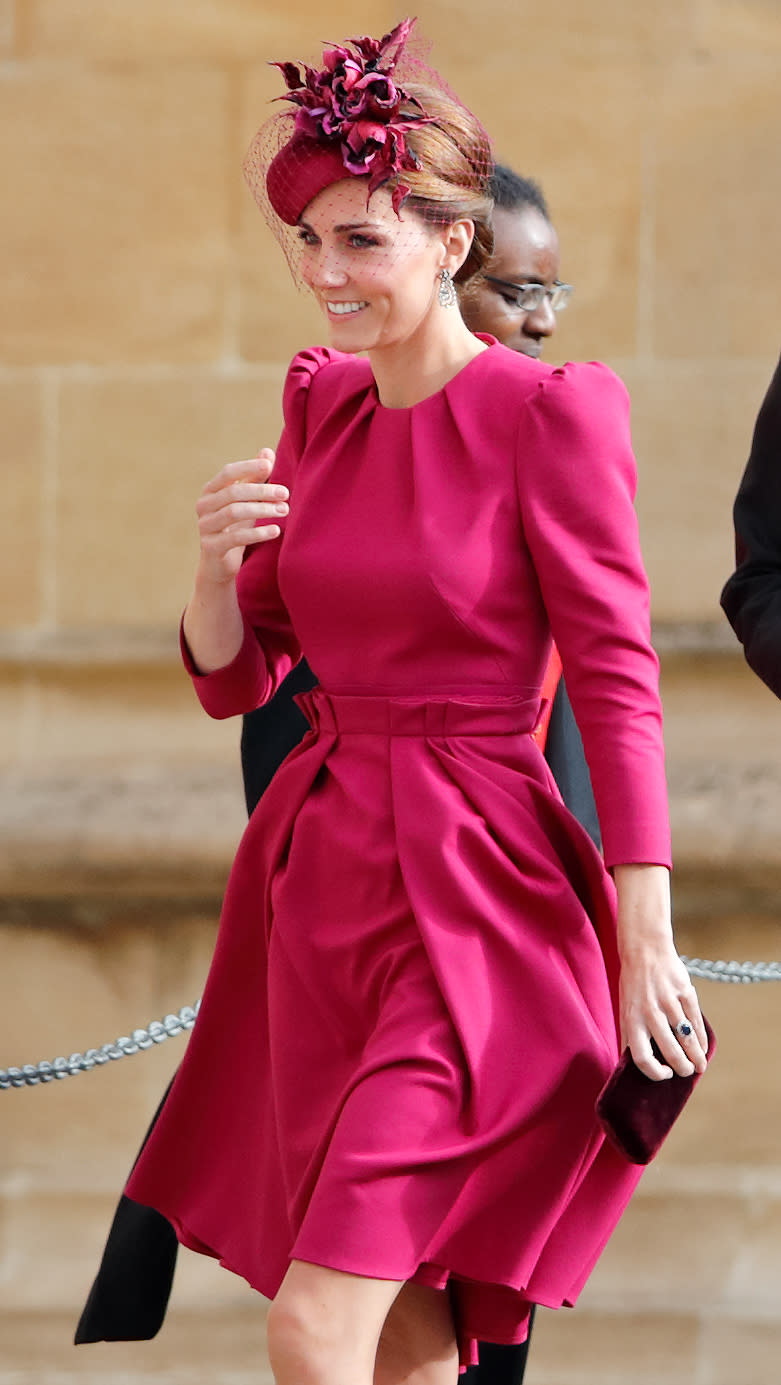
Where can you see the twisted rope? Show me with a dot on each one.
(31, 1074)
(741, 973)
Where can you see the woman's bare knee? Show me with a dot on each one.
(324, 1325)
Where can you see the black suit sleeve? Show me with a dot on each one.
(752, 597)
(566, 757)
(271, 732)
(128, 1299)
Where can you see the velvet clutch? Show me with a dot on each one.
(636, 1113)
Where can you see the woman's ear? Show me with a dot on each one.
(457, 242)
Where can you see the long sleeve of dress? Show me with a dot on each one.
(577, 481)
(270, 648)
(751, 598)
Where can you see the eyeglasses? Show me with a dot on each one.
(527, 298)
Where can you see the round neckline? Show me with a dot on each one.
(443, 389)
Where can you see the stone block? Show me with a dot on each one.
(144, 827)
(755, 1282)
(692, 425)
(460, 32)
(22, 409)
(735, 27)
(66, 992)
(670, 1252)
(723, 763)
(140, 450)
(592, 1348)
(114, 239)
(94, 719)
(277, 318)
(17, 714)
(50, 1244)
(210, 30)
(226, 1344)
(699, 695)
(723, 766)
(717, 197)
(730, 1121)
(7, 28)
(735, 1350)
(589, 153)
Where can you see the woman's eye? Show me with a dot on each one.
(511, 298)
(359, 242)
(308, 237)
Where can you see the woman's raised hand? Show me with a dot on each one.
(229, 508)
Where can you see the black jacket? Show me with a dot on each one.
(752, 596)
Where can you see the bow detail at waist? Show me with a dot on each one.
(369, 714)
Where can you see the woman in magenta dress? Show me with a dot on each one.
(385, 1117)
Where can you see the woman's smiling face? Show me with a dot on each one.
(375, 275)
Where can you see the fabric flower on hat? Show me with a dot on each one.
(353, 102)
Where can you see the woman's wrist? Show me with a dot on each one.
(644, 913)
(211, 578)
(212, 624)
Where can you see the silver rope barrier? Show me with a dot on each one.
(32, 1074)
(742, 973)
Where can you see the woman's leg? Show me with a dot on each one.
(330, 1328)
(418, 1341)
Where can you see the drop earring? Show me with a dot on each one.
(447, 290)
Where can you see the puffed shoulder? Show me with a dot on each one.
(579, 388)
(300, 373)
(303, 369)
(581, 411)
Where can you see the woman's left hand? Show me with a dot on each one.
(657, 999)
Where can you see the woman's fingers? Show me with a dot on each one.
(661, 1018)
(240, 506)
(239, 513)
(690, 1034)
(251, 469)
(238, 536)
(664, 1046)
(644, 1057)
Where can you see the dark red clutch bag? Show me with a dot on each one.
(637, 1114)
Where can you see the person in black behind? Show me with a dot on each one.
(516, 303)
(751, 598)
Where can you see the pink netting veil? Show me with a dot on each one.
(374, 113)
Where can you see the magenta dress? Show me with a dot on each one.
(411, 1007)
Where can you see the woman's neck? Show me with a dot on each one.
(409, 371)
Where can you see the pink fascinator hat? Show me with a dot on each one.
(348, 122)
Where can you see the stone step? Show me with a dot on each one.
(227, 1345)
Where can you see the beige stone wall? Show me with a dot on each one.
(146, 319)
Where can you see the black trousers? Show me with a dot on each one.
(129, 1297)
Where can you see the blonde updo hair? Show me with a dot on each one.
(456, 165)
